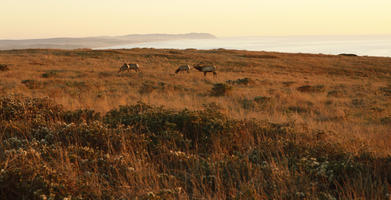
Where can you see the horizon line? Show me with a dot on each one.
(217, 36)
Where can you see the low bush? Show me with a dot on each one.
(262, 99)
(149, 152)
(148, 87)
(220, 89)
(386, 90)
(311, 89)
(336, 93)
(28, 109)
(4, 67)
(33, 84)
(49, 74)
(259, 56)
(297, 109)
(241, 81)
(386, 120)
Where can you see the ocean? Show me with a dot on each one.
(360, 45)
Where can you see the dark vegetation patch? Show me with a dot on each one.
(216, 51)
(377, 109)
(309, 55)
(105, 74)
(76, 84)
(336, 93)
(311, 89)
(98, 53)
(142, 151)
(33, 84)
(348, 54)
(298, 109)
(174, 52)
(36, 63)
(288, 83)
(86, 53)
(50, 74)
(241, 81)
(220, 89)
(386, 120)
(4, 67)
(148, 87)
(386, 90)
(358, 102)
(262, 99)
(168, 56)
(29, 51)
(278, 66)
(239, 63)
(258, 103)
(258, 56)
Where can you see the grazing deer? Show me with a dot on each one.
(123, 68)
(128, 67)
(134, 66)
(183, 68)
(206, 68)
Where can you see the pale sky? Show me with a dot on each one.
(224, 18)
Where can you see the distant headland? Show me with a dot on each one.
(94, 42)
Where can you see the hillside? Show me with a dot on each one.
(95, 42)
(268, 126)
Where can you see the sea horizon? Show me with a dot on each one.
(362, 45)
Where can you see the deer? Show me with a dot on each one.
(206, 68)
(130, 66)
(183, 68)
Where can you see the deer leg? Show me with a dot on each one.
(204, 73)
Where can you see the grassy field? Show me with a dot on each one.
(268, 126)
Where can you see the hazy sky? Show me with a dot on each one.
(64, 18)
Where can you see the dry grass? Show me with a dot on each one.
(338, 100)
